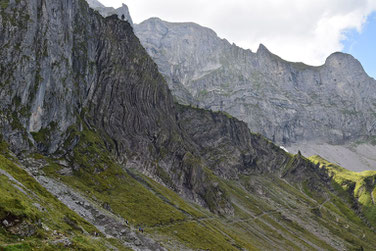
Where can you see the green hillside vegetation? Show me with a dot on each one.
(35, 219)
(278, 214)
(361, 186)
(269, 211)
(99, 157)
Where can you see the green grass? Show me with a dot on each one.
(14, 204)
(174, 198)
(4, 4)
(198, 236)
(167, 216)
(138, 198)
(109, 183)
(359, 185)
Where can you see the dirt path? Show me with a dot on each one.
(197, 220)
(322, 204)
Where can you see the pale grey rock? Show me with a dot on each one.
(5, 223)
(63, 163)
(64, 241)
(113, 88)
(95, 4)
(109, 11)
(354, 157)
(41, 74)
(287, 102)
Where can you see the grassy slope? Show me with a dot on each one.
(269, 213)
(266, 219)
(361, 186)
(137, 198)
(37, 208)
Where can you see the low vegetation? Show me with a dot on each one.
(361, 186)
(31, 218)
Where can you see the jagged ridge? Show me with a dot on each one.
(286, 102)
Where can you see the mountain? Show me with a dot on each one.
(95, 154)
(289, 103)
(95, 4)
(109, 11)
(286, 102)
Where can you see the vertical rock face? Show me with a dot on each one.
(38, 89)
(81, 92)
(59, 60)
(64, 66)
(287, 102)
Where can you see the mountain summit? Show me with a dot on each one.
(289, 103)
(96, 155)
(108, 11)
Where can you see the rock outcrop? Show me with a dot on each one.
(68, 71)
(286, 102)
(109, 11)
(63, 71)
(82, 103)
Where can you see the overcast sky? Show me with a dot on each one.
(296, 30)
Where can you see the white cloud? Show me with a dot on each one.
(296, 30)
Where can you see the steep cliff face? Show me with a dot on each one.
(231, 151)
(286, 102)
(88, 115)
(68, 70)
(48, 69)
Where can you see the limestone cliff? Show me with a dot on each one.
(109, 11)
(86, 112)
(286, 102)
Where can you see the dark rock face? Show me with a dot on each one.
(64, 66)
(47, 70)
(286, 102)
(72, 81)
(231, 150)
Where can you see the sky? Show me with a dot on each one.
(363, 45)
(297, 30)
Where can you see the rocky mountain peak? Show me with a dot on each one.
(109, 11)
(285, 101)
(344, 62)
(262, 49)
(190, 29)
(95, 4)
(109, 151)
(153, 20)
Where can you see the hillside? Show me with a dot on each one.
(90, 131)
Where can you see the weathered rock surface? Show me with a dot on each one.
(80, 90)
(65, 70)
(286, 102)
(109, 11)
(65, 67)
